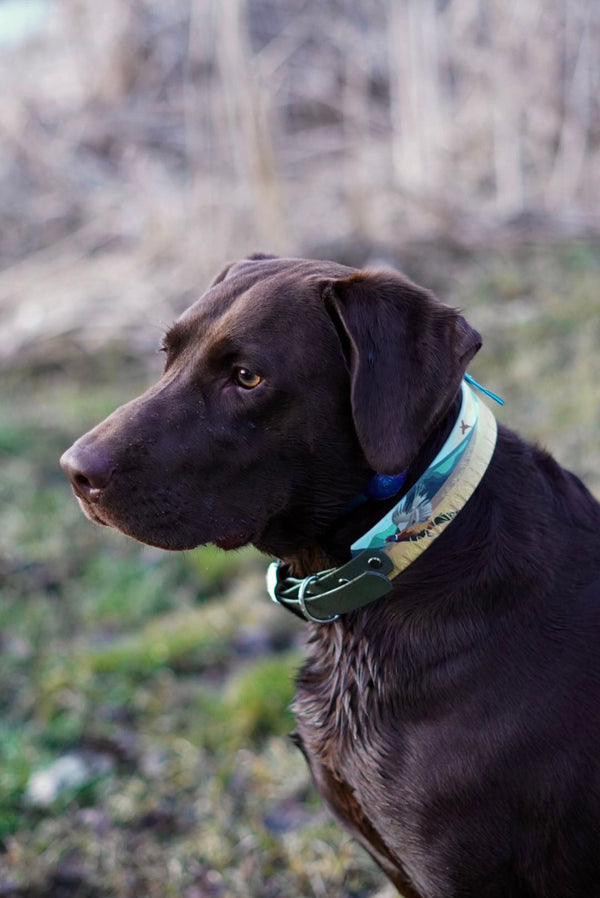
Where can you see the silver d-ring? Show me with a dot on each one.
(302, 602)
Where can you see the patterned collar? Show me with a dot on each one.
(406, 531)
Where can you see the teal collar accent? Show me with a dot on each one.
(405, 532)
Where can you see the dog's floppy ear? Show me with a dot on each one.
(407, 354)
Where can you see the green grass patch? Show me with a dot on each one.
(252, 704)
(176, 665)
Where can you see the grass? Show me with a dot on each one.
(170, 675)
(171, 668)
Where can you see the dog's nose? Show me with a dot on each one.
(89, 469)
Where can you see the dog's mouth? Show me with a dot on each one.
(230, 540)
(90, 511)
(233, 541)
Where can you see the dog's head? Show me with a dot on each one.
(285, 386)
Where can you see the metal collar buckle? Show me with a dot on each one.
(302, 597)
(335, 591)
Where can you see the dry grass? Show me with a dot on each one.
(143, 143)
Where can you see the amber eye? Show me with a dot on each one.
(246, 379)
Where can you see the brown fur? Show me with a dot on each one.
(453, 726)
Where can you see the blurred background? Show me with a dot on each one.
(143, 695)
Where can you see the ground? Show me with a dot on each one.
(144, 695)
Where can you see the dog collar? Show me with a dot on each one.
(405, 532)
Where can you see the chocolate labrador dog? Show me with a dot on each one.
(449, 708)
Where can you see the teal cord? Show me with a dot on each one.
(473, 382)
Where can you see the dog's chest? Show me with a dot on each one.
(338, 709)
(339, 694)
(343, 727)
(366, 760)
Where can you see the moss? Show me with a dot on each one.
(255, 701)
(190, 639)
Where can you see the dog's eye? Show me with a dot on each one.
(246, 378)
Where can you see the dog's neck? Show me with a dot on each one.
(333, 548)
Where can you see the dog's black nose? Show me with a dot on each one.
(89, 468)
